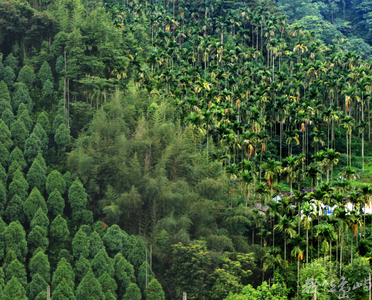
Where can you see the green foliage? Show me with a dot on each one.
(3, 175)
(36, 176)
(41, 134)
(138, 253)
(9, 77)
(189, 270)
(39, 264)
(19, 134)
(41, 219)
(43, 120)
(62, 137)
(124, 273)
(48, 87)
(154, 291)
(14, 210)
(14, 290)
(37, 238)
(57, 122)
(114, 240)
(8, 117)
(3, 198)
(23, 115)
(5, 135)
(89, 288)
(58, 232)
(18, 188)
(16, 269)
(14, 238)
(262, 292)
(63, 272)
(55, 203)
(96, 244)
(26, 76)
(108, 284)
(82, 267)
(22, 96)
(36, 286)
(34, 201)
(132, 293)
(55, 181)
(77, 198)
(4, 155)
(63, 291)
(142, 276)
(45, 73)
(102, 263)
(4, 92)
(33, 147)
(80, 244)
(17, 155)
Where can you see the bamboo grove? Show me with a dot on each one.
(216, 132)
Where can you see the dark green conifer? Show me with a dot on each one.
(43, 120)
(4, 91)
(82, 267)
(58, 232)
(34, 201)
(63, 291)
(41, 134)
(22, 96)
(55, 181)
(63, 272)
(114, 239)
(55, 204)
(96, 244)
(32, 147)
(108, 284)
(41, 219)
(36, 286)
(19, 134)
(14, 210)
(36, 176)
(132, 293)
(26, 76)
(5, 135)
(89, 288)
(62, 137)
(9, 77)
(4, 155)
(8, 117)
(17, 155)
(45, 73)
(102, 263)
(39, 264)
(154, 291)
(14, 290)
(37, 238)
(14, 238)
(18, 270)
(80, 244)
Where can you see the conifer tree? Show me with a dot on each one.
(58, 232)
(138, 254)
(45, 73)
(34, 201)
(58, 120)
(48, 88)
(41, 161)
(22, 96)
(23, 115)
(5, 135)
(36, 286)
(14, 238)
(14, 210)
(9, 77)
(132, 241)
(68, 179)
(77, 198)
(121, 276)
(19, 134)
(3, 198)
(62, 137)
(26, 76)
(154, 291)
(142, 276)
(55, 204)
(102, 263)
(18, 175)
(89, 288)
(41, 219)
(4, 91)
(32, 147)
(37, 238)
(2, 279)
(17, 155)
(108, 284)
(13, 168)
(4, 155)
(43, 120)
(114, 240)
(18, 270)
(63, 291)
(132, 293)
(96, 244)
(4, 105)
(3, 175)
(39, 264)
(80, 244)
(55, 181)
(41, 296)
(82, 267)
(36, 176)
(14, 290)
(63, 272)
(16, 187)
(41, 134)
(8, 117)
(12, 62)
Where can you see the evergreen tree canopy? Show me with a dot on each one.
(114, 240)
(14, 290)
(108, 284)
(8, 117)
(89, 288)
(9, 77)
(62, 136)
(58, 230)
(36, 175)
(45, 73)
(39, 264)
(14, 210)
(23, 115)
(17, 155)
(36, 286)
(37, 238)
(5, 135)
(43, 120)
(102, 263)
(19, 134)
(63, 272)
(41, 134)
(154, 291)
(4, 91)
(55, 203)
(4, 155)
(82, 267)
(63, 291)
(26, 76)
(33, 203)
(96, 244)
(22, 96)
(41, 219)
(14, 238)
(16, 269)
(132, 293)
(80, 244)
(55, 181)
(33, 147)
(18, 188)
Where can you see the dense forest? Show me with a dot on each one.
(166, 149)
